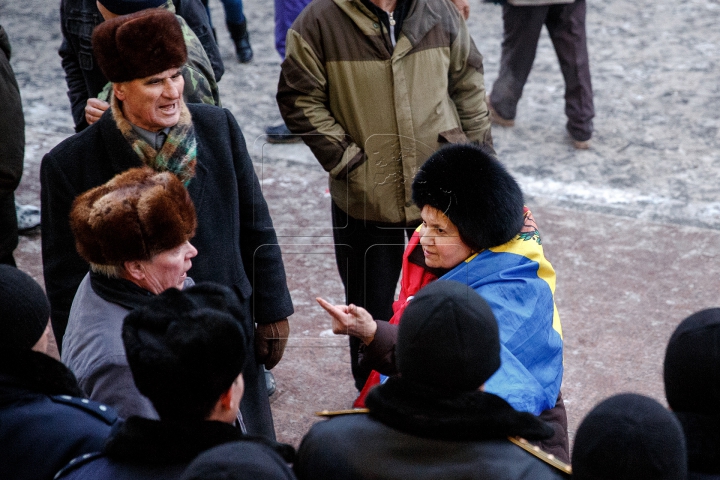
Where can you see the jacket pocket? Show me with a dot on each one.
(455, 135)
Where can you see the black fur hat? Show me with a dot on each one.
(138, 45)
(185, 348)
(469, 185)
(692, 364)
(448, 338)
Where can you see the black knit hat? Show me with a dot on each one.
(448, 338)
(629, 437)
(185, 348)
(139, 45)
(469, 185)
(692, 364)
(123, 7)
(25, 310)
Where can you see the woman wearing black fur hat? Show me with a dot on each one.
(134, 231)
(477, 231)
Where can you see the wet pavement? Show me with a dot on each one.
(632, 226)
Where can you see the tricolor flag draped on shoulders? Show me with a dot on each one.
(518, 283)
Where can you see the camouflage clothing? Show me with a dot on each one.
(200, 84)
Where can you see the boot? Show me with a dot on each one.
(241, 39)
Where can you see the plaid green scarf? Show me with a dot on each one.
(177, 155)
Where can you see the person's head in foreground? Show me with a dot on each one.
(141, 54)
(25, 313)
(468, 201)
(137, 227)
(629, 437)
(692, 387)
(186, 350)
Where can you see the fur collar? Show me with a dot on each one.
(702, 436)
(34, 372)
(157, 442)
(467, 416)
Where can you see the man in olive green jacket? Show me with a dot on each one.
(375, 87)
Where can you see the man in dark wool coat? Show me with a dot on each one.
(434, 420)
(149, 124)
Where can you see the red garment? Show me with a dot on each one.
(412, 279)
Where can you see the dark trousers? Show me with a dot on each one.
(369, 259)
(566, 26)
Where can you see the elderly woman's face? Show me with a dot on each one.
(440, 240)
(167, 269)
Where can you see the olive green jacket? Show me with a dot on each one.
(372, 117)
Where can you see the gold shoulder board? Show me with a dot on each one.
(335, 413)
(548, 458)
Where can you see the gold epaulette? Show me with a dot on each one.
(548, 458)
(335, 413)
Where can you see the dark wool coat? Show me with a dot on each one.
(411, 433)
(235, 239)
(44, 422)
(156, 450)
(12, 148)
(702, 437)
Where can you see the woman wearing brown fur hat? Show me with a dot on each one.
(477, 231)
(135, 232)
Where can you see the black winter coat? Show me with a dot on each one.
(158, 450)
(44, 421)
(702, 437)
(12, 148)
(235, 239)
(411, 433)
(78, 18)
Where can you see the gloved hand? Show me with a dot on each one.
(270, 341)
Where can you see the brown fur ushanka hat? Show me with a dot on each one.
(134, 216)
(138, 45)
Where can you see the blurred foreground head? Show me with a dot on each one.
(629, 437)
(186, 348)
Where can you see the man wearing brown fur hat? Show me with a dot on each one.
(150, 124)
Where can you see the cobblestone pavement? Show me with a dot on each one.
(631, 225)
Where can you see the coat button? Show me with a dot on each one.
(376, 25)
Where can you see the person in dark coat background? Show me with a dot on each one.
(692, 389)
(629, 437)
(186, 350)
(45, 421)
(203, 145)
(85, 79)
(12, 151)
(434, 420)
